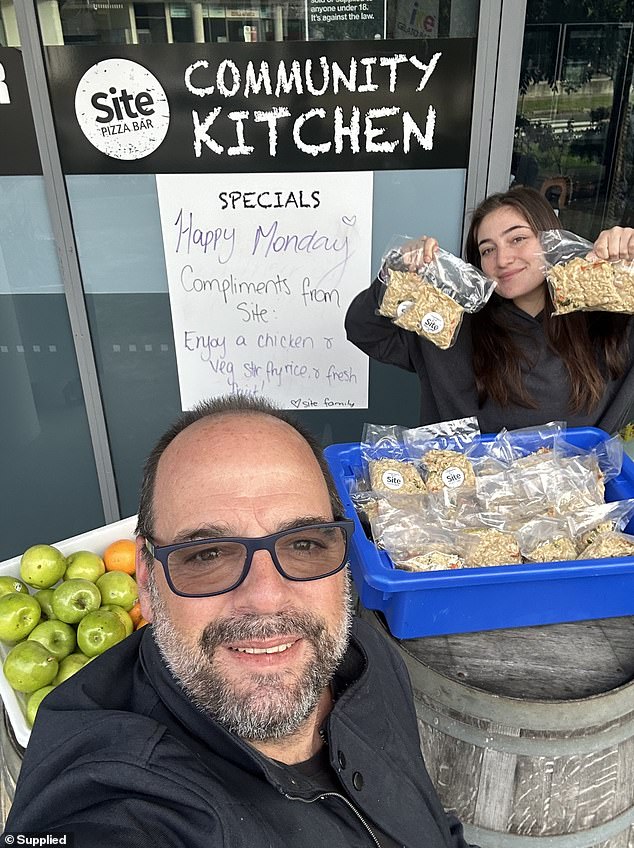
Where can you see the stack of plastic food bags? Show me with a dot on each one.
(430, 300)
(440, 497)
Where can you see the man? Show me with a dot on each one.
(252, 712)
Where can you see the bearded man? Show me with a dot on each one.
(252, 711)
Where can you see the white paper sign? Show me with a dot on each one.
(261, 269)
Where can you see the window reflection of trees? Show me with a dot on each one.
(573, 115)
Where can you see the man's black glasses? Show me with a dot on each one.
(206, 567)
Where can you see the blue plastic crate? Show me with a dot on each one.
(462, 601)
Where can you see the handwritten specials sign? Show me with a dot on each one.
(261, 269)
(266, 107)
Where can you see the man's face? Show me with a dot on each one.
(257, 658)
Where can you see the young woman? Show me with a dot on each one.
(514, 364)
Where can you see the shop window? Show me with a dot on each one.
(151, 26)
(573, 134)
(125, 22)
(48, 475)
(182, 25)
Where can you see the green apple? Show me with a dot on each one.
(34, 701)
(45, 599)
(56, 636)
(29, 666)
(122, 614)
(12, 584)
(42, 566)
(73, 599)
(84, 564)
(118, 588)
(99, 631)
(19, 614)
(69, 665)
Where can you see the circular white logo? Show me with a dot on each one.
(392, 479)
(403, 306)
(122, 109)
(452, 477)
(433, 323)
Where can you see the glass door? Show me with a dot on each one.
(573, 131)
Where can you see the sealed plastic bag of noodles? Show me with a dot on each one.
(430, 299)
(609, 545)
(426, 549)
(399, 511)
(578, 283)
(502, 489)
(489, 545)
(386, 463)
(364, 499)
(588, 524)
(546, 540)
(440, 450)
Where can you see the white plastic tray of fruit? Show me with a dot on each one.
(96, 541)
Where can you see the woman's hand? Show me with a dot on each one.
(419, 252)
(613, 244)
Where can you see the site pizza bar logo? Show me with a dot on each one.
(122, 109)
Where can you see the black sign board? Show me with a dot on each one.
(264, 107)
(18, 144)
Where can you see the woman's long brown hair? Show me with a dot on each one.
(592, 345)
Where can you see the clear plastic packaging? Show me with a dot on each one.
(486, 546)
(504, 489)
(490, 457)
(386, 463)
(401, 284)
(382, 440)
(457, 434)
(453, 508)
(440, 449)
(607, 455)
(395, 475)
(430, 300)
(447, 469)
(608, 545)
(402, 512)
(579, 284)
(546, 540)
(431, 550)
(563, 485)
(531, 443)
(590, 523)
(413, 543)
(401, 292)
(433, 559)
(577, 484)
(434, 315)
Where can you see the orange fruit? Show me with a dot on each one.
(135, 613)
(142, 623)
(120, 556)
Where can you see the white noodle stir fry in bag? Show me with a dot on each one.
(430, 300)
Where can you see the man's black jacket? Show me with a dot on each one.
(120, 757)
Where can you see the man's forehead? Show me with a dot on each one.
(240, 477)
(236, 434)
(237, 452)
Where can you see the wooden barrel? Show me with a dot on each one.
(524, 761)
